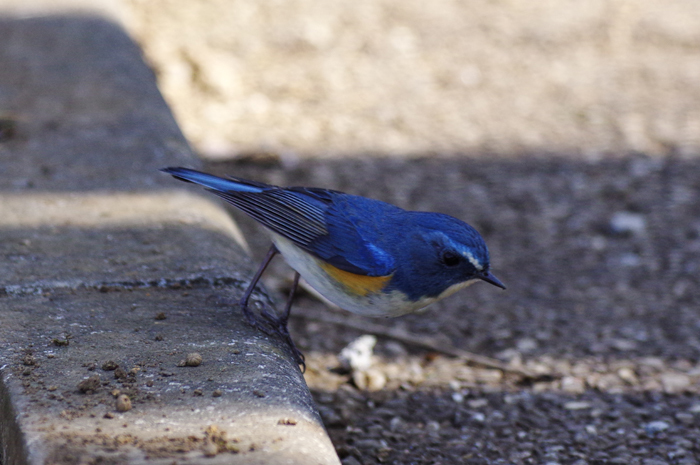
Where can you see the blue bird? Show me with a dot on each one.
(366, 256)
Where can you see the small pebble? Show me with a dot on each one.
(685, 418)
(656, 427)
(376, 380)
(478, 403)
(216, 393)
(210, 449)
(627, 374)
(61, 342)
(123, 403)
(526, 345)
(370, 380)
(89, 385)
(433, 426)
(160, 316)
(574, 405)
(628, 222)
(357, 356)
(110, 365)
(630, 260)
(573, 385)
(198, 393)
(193, 360)
(675, 382)
(396, 424)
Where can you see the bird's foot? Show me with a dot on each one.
(252, 320)
(281, 329)
(274, 326)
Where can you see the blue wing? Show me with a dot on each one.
(328, 224)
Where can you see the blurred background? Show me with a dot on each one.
(567, 132)
(411, 78)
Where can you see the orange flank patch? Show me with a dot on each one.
(356, 283)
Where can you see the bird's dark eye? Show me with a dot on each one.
(450, 258)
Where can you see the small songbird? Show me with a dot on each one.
(366, 256)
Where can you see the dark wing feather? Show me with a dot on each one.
(302, 215)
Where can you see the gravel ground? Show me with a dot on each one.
(601, 262)
(566, 132)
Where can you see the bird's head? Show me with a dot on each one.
(446, 254)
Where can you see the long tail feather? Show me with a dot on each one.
(214, 182)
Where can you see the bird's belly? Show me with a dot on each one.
(377, 304)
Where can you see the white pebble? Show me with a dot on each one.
(357, 356)
(628, 222)
(577, 405)
(656, 427)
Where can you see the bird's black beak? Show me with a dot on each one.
(491, 279)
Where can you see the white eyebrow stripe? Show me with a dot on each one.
(473, 261)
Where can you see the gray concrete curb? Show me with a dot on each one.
(113, 274)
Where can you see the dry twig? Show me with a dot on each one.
(419, 341)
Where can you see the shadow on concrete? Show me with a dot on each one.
(83, 131)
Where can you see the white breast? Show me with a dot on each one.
(381, 304)
(309, 269)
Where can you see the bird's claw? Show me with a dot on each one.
(280, 328)
(275, 326)
(250, 316)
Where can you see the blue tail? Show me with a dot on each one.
(214, 182)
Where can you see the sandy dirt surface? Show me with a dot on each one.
(566, 132)
(412, 77)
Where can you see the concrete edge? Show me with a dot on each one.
(11, 437)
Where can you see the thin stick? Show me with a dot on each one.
(420, 341)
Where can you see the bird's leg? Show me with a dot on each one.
(288, 307)
(251, 287)
(280, 324)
